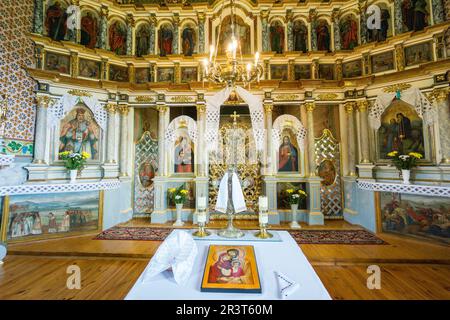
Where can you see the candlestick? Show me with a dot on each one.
(263, 223)
(201, 220)
(201, 203)
(263, 203)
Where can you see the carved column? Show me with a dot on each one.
(315, 69)
(290, 34)
(268, 108)
(75, 34)
(399, 57)
(362, 22)
(103, 41)
(111, 109)
(339, 69)
(441, 97)
(349, 107)
(313, 23)
(38, 25)
(123, 110)
(130, 28)
(43, 102)
(74, 64)
(201, 17)
(39, 56)
(366, 67)
(152, 42)
(177, 72)
(398, 22)
(162, 108)
(337, 36)
(201, 154)
(364, 123)
(310, 106)
(265, 31)
(104, 70)
(176, 26)
(438, 11)
(131, 73)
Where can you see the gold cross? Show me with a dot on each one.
(235, 116)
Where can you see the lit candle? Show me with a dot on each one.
(256, 58)
(263, 217)
(234, 48)
(201, 203)
(263, 203)
(249, 69)
(205, 65)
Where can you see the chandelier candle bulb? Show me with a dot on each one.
(211, 52)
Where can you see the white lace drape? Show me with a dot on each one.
(411, 96)
(297, 128)
(171, 131)
(213, 114)
(66, 103)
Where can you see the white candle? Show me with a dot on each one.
(263, 203)
(211, 52)
(201, 203)
(201, 217)
(263, 217)
(256, 58)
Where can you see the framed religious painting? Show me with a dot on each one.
(43, 216)
(302, 71)
(165, 74)
(79, 132)
(279, 72)
(352, 69)
(382, 62)
(288, 153)
(89, 69)
(142, 75)
(118, 73)
(57, 62)
(188, 74)
(183, 154)
(418, 53)
(326, 71)
(231, 269)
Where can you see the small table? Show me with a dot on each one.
(285, 257)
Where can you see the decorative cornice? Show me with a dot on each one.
(162, 108)
(268, 107)
(145, 99)
(287, 97)
(79, 93)
(327, 96)
(201, 107)
(182, 99)
(438, 94)
(397, 87)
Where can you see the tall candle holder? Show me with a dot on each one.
(201, 220)
(263, 224)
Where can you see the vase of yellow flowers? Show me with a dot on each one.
(178, 196)
(74, 162)
(293, 197)
(404, 163)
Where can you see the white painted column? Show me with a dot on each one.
(43, 103)
(444, 124)
(362, 107)
(111, 109)
(349, 106)
(161, 130)
(310, 106)
(123, 110)
(268, 108)
(200, 155)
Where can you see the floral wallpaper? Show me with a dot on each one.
(16, 53)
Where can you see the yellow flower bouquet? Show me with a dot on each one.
(293, 196)
(178, 195)
(404, 161)
(74, 160)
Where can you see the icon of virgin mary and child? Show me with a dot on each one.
(227, 269)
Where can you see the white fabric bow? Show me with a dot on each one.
(177, 252)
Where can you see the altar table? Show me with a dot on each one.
(285, 257)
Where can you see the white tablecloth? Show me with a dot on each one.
(285, 257)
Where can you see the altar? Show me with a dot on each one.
(290, 261)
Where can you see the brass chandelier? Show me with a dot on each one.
(233, 70)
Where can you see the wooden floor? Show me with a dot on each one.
(411, 269)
